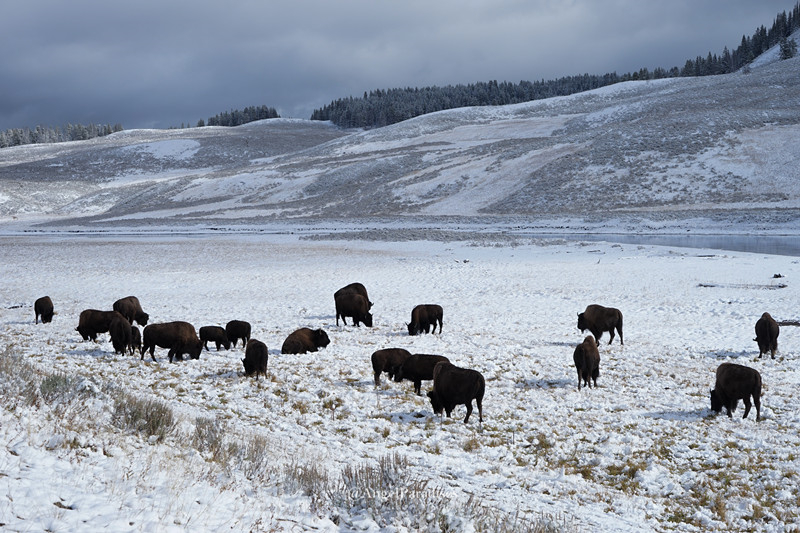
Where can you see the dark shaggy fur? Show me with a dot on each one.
(305, 340)
(131, 309)
(587, 361)
(416, 368)
(736, 382)
(256, 357)
(598, 319)
(456, 386)
(238, 329)
(178, 337)
(43, 307)
(355, 306)
(354, 288)
(120, 332)
(91, 322)
(386, 361)
(767, 331)
(423, 317)
(215, 334)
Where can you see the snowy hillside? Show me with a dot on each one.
(717, 147)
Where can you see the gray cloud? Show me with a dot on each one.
(160, 64)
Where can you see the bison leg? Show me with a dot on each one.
(747, 405)
(469, 411)
(619, 329)
(611, 333)
(597, 335)
(417, 386)
(579, 379)
(378, 378)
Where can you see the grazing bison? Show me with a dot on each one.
(305, 340)
(179, 337)
(767, 331)
(131, 309)
(354, 288)
(120, 332)
(423, 316)
(238, 329)
(353, 305)
(388, 360)
(91, 322)
(587, 361)
(598, 319)
(453, 386)
(734, 383)
(416, 368)
(256, 357)
(43, 307)
(136, 340)
(215, 334)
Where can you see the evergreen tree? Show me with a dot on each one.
(788, 48)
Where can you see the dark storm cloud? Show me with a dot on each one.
(160, 64)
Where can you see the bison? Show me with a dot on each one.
(354, 288)
(91, 322)
(388, 360)
(215, 334)
(734, 383)
(355, 306)
(131, 309)
(587, 361)
(179, 337)
(121, 335)
(43, 307)
(767, 331)
(238, 329)
(453, 386)
(305, 340)
(256, 357)
(136, 340)
(423, 316)
(598, 319)
(417, 367)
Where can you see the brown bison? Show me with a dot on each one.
(354, 288)
(734, 383)
(131, 309)
(417, 367)
(121, 335)
(91, 322)
(305, 340)
(598, 319)
(136, 340)
(386, 361)
(178, 337)
(43, 307)
(256, 357)
(355, 306)
(767, 331)
(423, 316)
(238, 329)
(215, 334)
(453, 386)
(587, 361)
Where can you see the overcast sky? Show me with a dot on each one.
(162, 63)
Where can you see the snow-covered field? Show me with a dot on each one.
(641, 452)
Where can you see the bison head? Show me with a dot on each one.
(436, 402)
(142, 318)
(368, 320)
(582, 325)
(413, 329)
(195, 349)
(321, 339)
(716, 401)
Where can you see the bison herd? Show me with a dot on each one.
(452, 385)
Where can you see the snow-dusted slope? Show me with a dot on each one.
(667, 148)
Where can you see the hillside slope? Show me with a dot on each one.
(673, 148)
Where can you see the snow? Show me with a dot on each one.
(640, 452)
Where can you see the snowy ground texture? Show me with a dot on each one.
(641, 452)
(651, 154)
